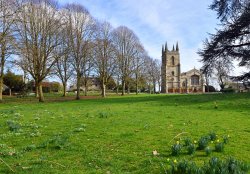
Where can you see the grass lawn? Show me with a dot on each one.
(117, 134)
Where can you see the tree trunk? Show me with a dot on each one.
(128, 90)
(154, 88)
(117, 86)
(136, 86)
(37, 90)
(123, 87)
(103, 90)
(85, 87)
(64, 89)
(78, 83)
(40, 92)
(10, 92)
(1, 89)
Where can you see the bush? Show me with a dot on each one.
(176, 149)
(213, 166)
(208, 150)
(203, 142)
(212, 136)
(219, 147)
(13, 126)
(228, 90)
(187, 141)
(191, 149)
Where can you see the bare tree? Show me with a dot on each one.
(7, 10)
(81, 26)
(138, 65)
(125, 42)
(63, 68)
(104, 61)
(222, 71)
(38, 26)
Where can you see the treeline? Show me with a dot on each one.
(68, 42)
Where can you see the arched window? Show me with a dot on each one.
(172, 73)
(194, 80)
(184, 84)
(172, 60)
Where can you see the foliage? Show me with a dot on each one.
(212, 136)
(219, 147)
(191, 149)
(13, 125)
(56, 142)
(13, 81)
(230, 43)
(203, 142)
(187, 141)
(176, 149)
(214, 166)
(208, 150)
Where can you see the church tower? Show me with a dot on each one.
(170, 70)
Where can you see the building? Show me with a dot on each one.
(93, 85)
(173, 81)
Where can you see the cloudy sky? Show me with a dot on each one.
(158, 21)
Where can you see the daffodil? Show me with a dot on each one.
(228, 136)
(195, 141)
(212, 142)
(177, 142)
(218, 141)
(175, 161)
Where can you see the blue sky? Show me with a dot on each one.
(158, 21)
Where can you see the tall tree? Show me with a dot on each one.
(7, 11)
(125, 42)
(81, 26)
(138, 65)
(231, 42)
(37, 32)
(104, 61)
(63, 68)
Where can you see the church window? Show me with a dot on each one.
(172, 73)
(194, 80)
(173, 60)
(183, 84)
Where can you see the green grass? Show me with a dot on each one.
(117, 134)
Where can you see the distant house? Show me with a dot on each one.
(93, 85)
(237, 86)
(5, 87)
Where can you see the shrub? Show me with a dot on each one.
(57, 142)
(214, 166)
(208, 150)
(187, 141)
(191, 149)
(212, 136)
(203, 142)
(103, 115)
(219, 147)
(13, 126)
(225, 139)
(176, 149)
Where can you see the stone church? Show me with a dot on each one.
(175, 81)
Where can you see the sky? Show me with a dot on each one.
(156, 22)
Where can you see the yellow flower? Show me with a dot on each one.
(212, 142)
(168, 160)
(195, 141)
(228, 136)
(175, 161)
(177, 142)
(218, 141)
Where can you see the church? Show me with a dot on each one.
(175, 81)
